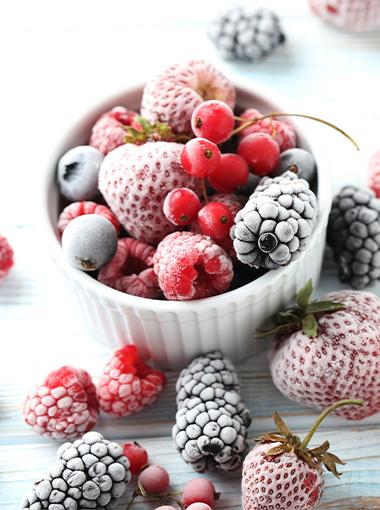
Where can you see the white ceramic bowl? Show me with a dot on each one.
(171, 332)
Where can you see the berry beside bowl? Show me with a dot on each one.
(174, 332)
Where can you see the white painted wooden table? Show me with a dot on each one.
(61, 59)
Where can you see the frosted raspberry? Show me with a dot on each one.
(342, 361)
(135, 180)
(282, 132)
(191, 266)
(127, 384)
(64, 405)
(374, 173)
(173, 95)
(80, 208)
(108, 132)
(6, 257)
(131, 269)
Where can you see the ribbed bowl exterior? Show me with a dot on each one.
(173, 333)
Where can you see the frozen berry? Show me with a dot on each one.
(154, 479)
(181, 206)
(78, 171)
(260, 151)
(80, 208)
(250, 186)
(137, 456)
(165, 507)
(232, 172)
(213, 120)
(200, 157)
(6, 257)
(298, 161)
(199, 506)
(199, 490)
(191, 266)
(128, 384)
(89, 242)
(215, 220)
(374, 173)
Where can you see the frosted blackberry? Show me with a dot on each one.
(354, 236)
(239, 34)
(212, 434)
(205, 374)
(90, 473)
(276, 224)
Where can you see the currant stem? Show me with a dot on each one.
(302, 115)
(204, 190)
(323, 415)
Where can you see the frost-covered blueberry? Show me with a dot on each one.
(78, 172)
(89, 242)
(298, 161)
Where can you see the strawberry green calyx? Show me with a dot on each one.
(290, 443)
(303, 316)
(143, 131)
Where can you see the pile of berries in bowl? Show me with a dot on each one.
(173, 217)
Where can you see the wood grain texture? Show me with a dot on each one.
(322, 71)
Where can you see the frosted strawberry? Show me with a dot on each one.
(6, 257)
(135, 180)
(174, 94)
(281, 472)
(329, 350)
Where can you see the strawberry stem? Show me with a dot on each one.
(250, 122)
(323, 415)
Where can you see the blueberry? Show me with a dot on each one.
(250, 186)
(297, 161)
(78, 171)
(89, 242)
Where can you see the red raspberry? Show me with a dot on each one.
(108, 132)
(213, 120)
(374, 173)
(137, 456)
(64, 405)
(200, 157)
(131, 269)
(80, 208)
(127, 384)
(191, 266)
(281, 131)
(232, 173)
(6, 257)
(261, 153)
(215, 220)
(181, 206)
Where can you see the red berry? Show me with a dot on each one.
(165, 507)
(200, 157)
(6, 257)
(199, 490)
(231, 173)
(215, 220)
(154, 479)
(181, 206)
(213, 120)
(198, 506)
(261, 152)
(137, 456)
(76, 209)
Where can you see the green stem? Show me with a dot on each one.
(323, 415)
(302, 115)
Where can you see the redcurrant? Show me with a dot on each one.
(200, 157)
(231, 173)
(215, 220)
(213, 120)
(154, 479)
(261, 153)
(181, 206)
(199, 490)
(136, 455)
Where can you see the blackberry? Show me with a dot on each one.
(212, 434)
(204, 374)
(239, 34)
(275, 225)
(90, 473)
(353, 233)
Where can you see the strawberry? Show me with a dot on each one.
(329, 350)
(135, 180)
(174, 94)
(128, 384)
(282, 473)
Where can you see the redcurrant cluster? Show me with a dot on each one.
(153, 481)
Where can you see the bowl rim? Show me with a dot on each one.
(271, 278)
